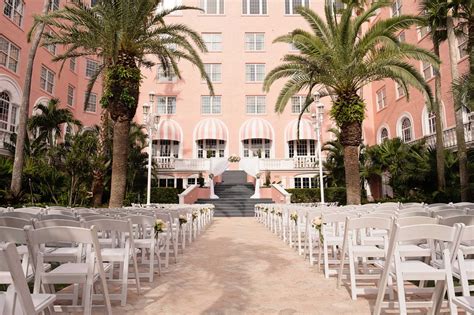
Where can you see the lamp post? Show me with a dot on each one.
(317, 116)
(151, 121)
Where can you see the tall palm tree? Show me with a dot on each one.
(19, 160)
(435, 13)
(48, 121)
(123, 34)
(333, 55)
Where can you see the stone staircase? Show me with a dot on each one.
(234, 196)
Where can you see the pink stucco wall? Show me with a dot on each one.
(195, 194)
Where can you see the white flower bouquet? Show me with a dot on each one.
(182, 219)
(294, 217)
(159, 227)
(195, 214)
(318, 225)
(279, 213)
(234, 158)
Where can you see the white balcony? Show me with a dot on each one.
(171, 163)
(449, 137)
(296, 163)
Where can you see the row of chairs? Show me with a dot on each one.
(362, 239)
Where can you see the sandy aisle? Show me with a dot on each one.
(239, 267)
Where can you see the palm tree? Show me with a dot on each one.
(123, 34)
(19, 160)
(435, 13)
(335, 56)
(47, 124)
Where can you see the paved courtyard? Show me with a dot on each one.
(239, 267)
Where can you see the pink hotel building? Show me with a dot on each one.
(240, 118)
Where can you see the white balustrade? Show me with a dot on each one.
(182, 164)
(449, 137)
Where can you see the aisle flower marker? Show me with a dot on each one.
(279, 213)
(195, 214)
(294, 217)
(182, 219)
(234, 158)
(159, 227)
(318, 224)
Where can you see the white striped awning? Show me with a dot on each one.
(256, 128)
(306, 130)
(211, 128)
(169, 130)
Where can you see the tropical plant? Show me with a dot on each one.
(19, 160)
(334, 163)
(123, 35)
(335, 56)
(435, 13)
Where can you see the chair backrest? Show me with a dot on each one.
(94, 217)
(109, 224)
(64, 211)
(464, 219)
(439, 204)
(20, 214)
(32, 210)
(412, 209)
(368, 223)
(56, 222)
(14, 222)
(427, 231)
(57, 217)
(416, 220)
(463, 204)
(11, 234)
(414, 214)
(11, 272)
(448, 213)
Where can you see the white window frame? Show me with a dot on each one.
(214, 72)
(399, 90)
(423, 31)
(290, 6)
(427, 66)
(462, 46)
(309, 180)
(165, 148)
(381, 98)
(213, 41)
(379, 133)
(297, 104)
(168, 77)
(302, 147)
(251, 148)
(215, 104)
(401, 130)
(169, 106)
(251, 41)
(396, 8)
(52, 47)
(71, 97)
(54, 5)
(91, 103)
(17, 10)
(220, 7)
(11, 63)
(91, 70)
(254, 73)
(47, 80)
(73, 64)
(262, 4)
(401, 37)
(252, 105)
(217, 148)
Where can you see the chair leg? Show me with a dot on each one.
(151, 264)
(352, 274)
(124, 276)
(401, 293)
(326, 259)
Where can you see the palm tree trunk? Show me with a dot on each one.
(351, 137)
(119, 162)
(439, 127)
(470, 48)
(461, 142)
(98, 172)
(19, 160)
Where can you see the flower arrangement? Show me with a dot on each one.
(272, 211)
(182, 219)
(159, 227)
(195, 214)
(294, 217)
(234, 158)
(318, 225)
(265, 210)
(211, 176)
(258, 175)
(279, 213)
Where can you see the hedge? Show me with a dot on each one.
(306, 195)
(165, 195)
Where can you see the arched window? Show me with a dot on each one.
(4, 109)
(383, 134)
(431, 123)
(406, 130)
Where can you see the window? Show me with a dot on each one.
(396, 8)
(431, 126)
(381, 95)
(4, 109)
(255, 72)
(54, 5)
(91, 104)
(302, 147)
(166, 182)
(255, 104)
(72, 64)
(91, 68)
(423, 31)
(9, 54)
(71, 92)
(52, 47)
(306, 182)
(401, 37)
(427, 69)
(165, 148)
(192, 181)
(462, 46)
(257, 148)
(209, 148)
(167, 105)
(254, 7)
(400, 90)
(254, 41)
(47, 80)
(166, 76)
(210, 104)
(213, 41)
(292, 5)
(213, 70)
(13, 9)
(383, 134)
(212, 6)
(338, 6)
(406, 129)
(297, 104)
(170, 4)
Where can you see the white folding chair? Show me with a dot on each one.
(18, 299)
(14, 222)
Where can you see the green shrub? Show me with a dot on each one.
(305, 195)
(165, 195)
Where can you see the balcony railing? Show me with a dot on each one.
(171, 163)
(299, 162)
(449, 137)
